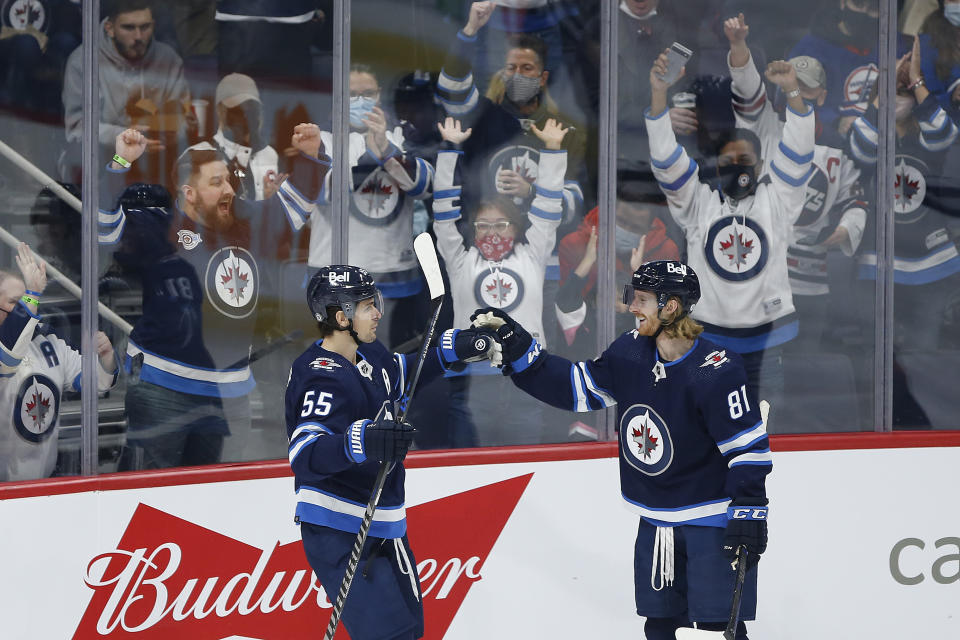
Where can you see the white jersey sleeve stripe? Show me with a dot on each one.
(743, 438)
(600, 394)
(752, 457)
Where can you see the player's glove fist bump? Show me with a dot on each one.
(746, 526)
(384, 440)
(520, 350)
(459, 346)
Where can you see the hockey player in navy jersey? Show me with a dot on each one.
(694, 452)
(341, 399)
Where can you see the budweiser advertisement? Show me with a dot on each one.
(510, 549)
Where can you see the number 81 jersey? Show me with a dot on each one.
(691, 436)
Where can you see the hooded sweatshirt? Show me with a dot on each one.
(157, 77)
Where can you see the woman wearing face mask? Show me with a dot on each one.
(940, 52)
(926, 263)
(737, 237)
(504, 268)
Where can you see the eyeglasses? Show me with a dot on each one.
(486, 227)
(372, 94)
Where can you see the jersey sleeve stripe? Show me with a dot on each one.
(752, 457)
(600, 394)
(743, 438)
(300, 445)
(7, 358)
(579, 394)
(668, 162)
(676, 184)
(311, 427)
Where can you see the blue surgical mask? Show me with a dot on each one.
(626, 240)
(952, 13)
(360, 108)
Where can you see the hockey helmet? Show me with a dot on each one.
(665, 278)
(342, 286)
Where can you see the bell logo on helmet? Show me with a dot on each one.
(333, 276)
(676, 267)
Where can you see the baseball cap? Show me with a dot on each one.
(810, 72)
(236, 88)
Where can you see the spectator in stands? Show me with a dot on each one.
(940, 50)
(845, 39)
(36, 367)
(141, 85)
(252, 162)
(265, 39)
(385, 183)
(834, 211)
(204, 284)
(640, 237)
(737, 237)
(504, 268)
(36, 40)
(502, 155)
(926, 262)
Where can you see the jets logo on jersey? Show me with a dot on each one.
(736, 248)
(521, 159)
(909, 188)
(502, 288)
(715, 358)
(20, 14)
(857, 87)
(325, 364)
(36, 409)
(189, 239)
(233, 282)
(645, 440)
(378, 200)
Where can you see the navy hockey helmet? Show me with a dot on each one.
(665, 278)
(341, 286)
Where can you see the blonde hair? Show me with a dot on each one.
(686, 327)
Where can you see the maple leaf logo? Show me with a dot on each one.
(499, 290)
(37, 408)
(905, 187)
(235, 282)
(647, 441)
(736, 248)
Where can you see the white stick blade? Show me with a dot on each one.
(686, 633)
(427, 256)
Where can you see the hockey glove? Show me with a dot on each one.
(384, 440)
(747, 526)
(520, 350)
(459, 346)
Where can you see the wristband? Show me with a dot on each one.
(794, 93)
(747, 513)
(918, 83)
(123, 162)
(353, 442)
(33, 294)
(30, 300)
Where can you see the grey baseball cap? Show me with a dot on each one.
(236, 88)
(810, 72)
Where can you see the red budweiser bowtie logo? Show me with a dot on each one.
(169, 578)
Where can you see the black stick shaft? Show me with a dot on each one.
(361, 539)
(731, 631)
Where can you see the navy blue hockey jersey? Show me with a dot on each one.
(689, 441)
(326, 393)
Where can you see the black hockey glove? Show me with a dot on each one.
(384, 440)
(459, 346)
(520, 350)
(747, 526)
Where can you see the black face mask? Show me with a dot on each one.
(737, 181)
(863, 27)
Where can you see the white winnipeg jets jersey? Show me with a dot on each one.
(34, 373)
(514, 284)
(738, 249)
(832, 192)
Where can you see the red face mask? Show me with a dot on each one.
(494, 247)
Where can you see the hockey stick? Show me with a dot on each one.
(686, 633)
(427, 256)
